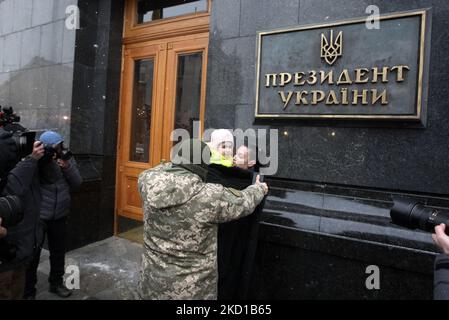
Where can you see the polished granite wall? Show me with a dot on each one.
(93, 127)
(356, 154)
(327, 217)
(36, 62)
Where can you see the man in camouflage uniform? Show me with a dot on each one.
(181, 214)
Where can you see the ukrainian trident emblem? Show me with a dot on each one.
(331, 49)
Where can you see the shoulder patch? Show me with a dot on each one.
(235, 192)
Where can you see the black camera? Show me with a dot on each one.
(51, 151)
(49, 154)
(10, 211)
(23, 138)
(414, 215)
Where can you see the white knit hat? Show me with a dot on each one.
(220, 136)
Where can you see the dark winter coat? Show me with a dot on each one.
(55, 189)
(24, 238)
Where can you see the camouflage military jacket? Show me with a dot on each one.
(181, 214)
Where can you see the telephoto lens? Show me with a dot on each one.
(10, 211)
(24, 142)
(414, 215)
(23, 138)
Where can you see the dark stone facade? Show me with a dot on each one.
(393, 158)
(96, 94)
(327, 216)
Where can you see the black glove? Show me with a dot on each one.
(8, 151)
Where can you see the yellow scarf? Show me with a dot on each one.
(217, 158)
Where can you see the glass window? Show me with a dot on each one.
(141, 111)
(151, 10)
(188, 91)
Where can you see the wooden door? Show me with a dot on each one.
(185, 89)
(163, 88)
(141, 117)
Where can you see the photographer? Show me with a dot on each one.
(58, 172)
(19, 179)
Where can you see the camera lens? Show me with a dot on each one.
(21, 143)
(413, 215)
(429, 218)
(24, 142)
(10, 211)
(401, 212)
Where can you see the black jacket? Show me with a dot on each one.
(237, 240)
(56, 190)
(23, 182)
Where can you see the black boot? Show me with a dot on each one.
(60, 290)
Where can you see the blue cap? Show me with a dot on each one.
(51, 138)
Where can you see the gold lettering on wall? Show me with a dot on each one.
(271, 76)
(285, 99)
(345, 95)
(344, 78)
(312, 78)
(359, 73)
(332, 98)
(400, 72)
(298, 77)
(356, 95)
(375, 97)
(285, 78)
(300, 99)
(329, 77)
(383, 74)
(317, 96)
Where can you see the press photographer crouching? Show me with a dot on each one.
(58, 172)
(20, 203)
(414, 215)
